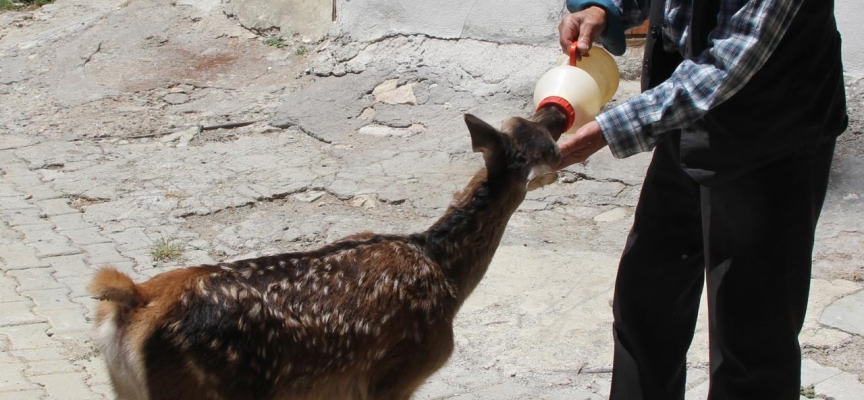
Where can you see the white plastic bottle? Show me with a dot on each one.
(579, 87)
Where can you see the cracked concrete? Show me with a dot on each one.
(126, 124)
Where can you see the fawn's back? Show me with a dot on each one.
(280, 324)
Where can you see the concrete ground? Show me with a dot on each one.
(134, 131)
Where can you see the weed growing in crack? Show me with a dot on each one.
(301, 51)
(808, 391)
(275, 42)
(20, 4)
(166, 250)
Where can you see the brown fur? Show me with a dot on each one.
(368, 317)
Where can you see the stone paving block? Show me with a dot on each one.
(54, 207)
(52, 367)
(20, 256)
(18, 313)
(90, 304)
(46, 241)
(18, 169)
(77, 284)
(40, 354)
(812, 373)
(197, 257)
(30, 336)
(55, 248)
(846, 314)
(69, 222)
(50, 299)
(40, 233)
(142, 258)
(66, 386)
(14, 203)
(844, 386)
(66, 320)
(131, 239)
(12, 378)
(103, 254)
(27, 216)
(73, 265)
(23, 395)
(34, 279)
(86, 236)
(24, 180)
(41, 192)
(7, 290)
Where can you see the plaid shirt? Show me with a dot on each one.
(747, 33)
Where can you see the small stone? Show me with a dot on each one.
(616, 214)
(385, 86)
(171, 137)
(308, 197)
(365, 201)
(187, 136)
(387, 131)
(367, 113)
(401, 95)
(176, 98)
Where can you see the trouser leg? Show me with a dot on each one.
(659, 284)
(760, 230)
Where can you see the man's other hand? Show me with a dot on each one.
(584, 26)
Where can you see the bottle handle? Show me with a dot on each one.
(574, 54)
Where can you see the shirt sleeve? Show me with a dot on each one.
(744, 38)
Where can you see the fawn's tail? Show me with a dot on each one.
(112, 285)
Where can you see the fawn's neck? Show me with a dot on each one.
(465, 238)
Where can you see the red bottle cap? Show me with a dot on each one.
(563, 105)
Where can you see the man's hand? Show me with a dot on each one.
(586, 141)
(585, 25)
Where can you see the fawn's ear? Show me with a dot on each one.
(487, 140)
(484, 138)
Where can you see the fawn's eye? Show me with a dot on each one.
(522, 159)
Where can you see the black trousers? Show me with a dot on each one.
(753, 236)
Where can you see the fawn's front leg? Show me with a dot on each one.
(410, 363)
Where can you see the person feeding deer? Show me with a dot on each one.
(742, 102)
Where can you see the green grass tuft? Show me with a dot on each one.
(808, 391)
(165, 250)
(19, 4)
(275, 42)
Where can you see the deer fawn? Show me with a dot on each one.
(367, 317)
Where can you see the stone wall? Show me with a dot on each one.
(500, 21)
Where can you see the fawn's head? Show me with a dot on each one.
(523, 149)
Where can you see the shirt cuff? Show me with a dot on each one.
(612, 37)
(622, 132)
